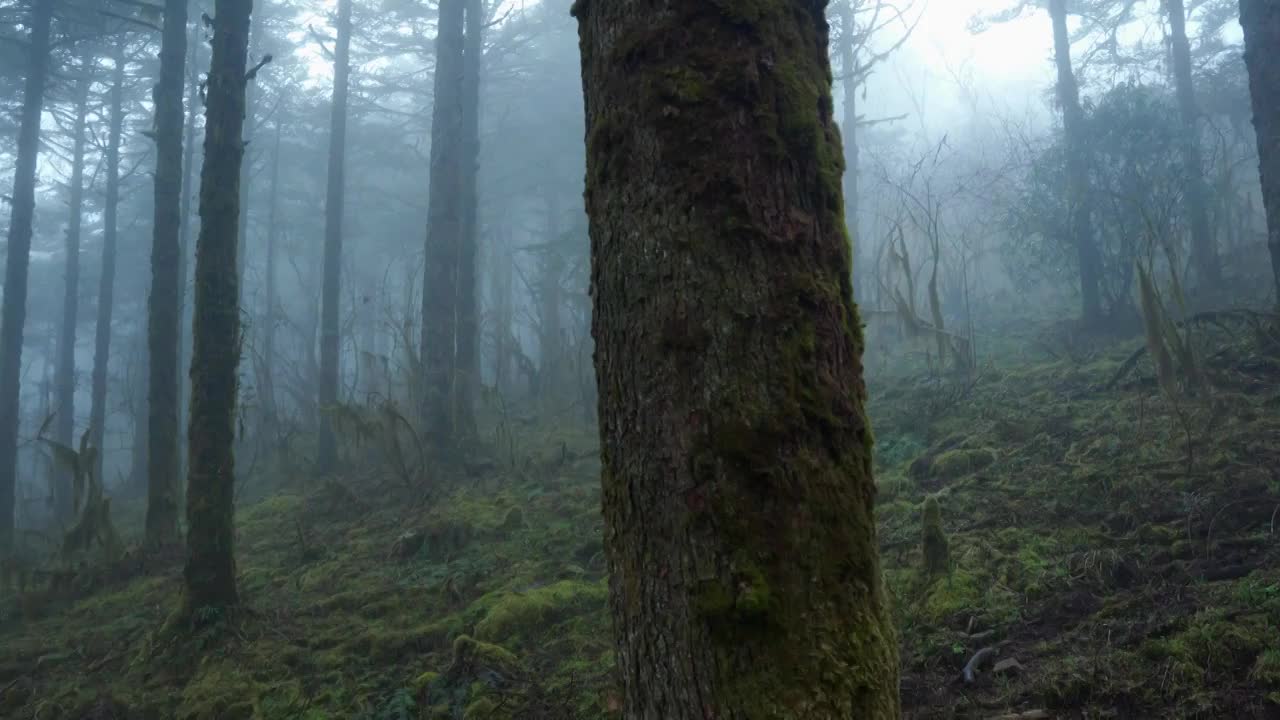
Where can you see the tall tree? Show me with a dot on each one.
(107, 276)
(467, 380)
(64, 383)
(184, 238)
(331, 290)
(162, 307)
(737, 485)
(209, 574)
(269, 320)
(1261, 22)
(18, 259)
(1081, 226)
(1204, 253)
(444, 229)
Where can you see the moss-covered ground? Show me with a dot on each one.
(1119, 545)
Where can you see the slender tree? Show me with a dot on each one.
(162, 307)
(737, 487)
(107, 280)
(1204, 253)
(269, 318)
(64, 383)
(18, 259)
(1081, 226)
(1261, 22)
(467, 381)
(331, 290)
(184, 240)
(444, 228)
(209, 575)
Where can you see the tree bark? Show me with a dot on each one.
(444, 230)
(1260, 20)
(209, 575)
(106, 285)
(849, 137)
(13, 316)
(331, 291)
(1077, 170)
(467, 381)
(737, 485)
(1204, 252)
(64, 384)
(184, 242)
(162, 308)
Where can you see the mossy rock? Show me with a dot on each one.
(517, 615)
(475, 658)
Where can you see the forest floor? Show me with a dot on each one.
(1115, 550)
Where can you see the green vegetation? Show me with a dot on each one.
(1080, 539)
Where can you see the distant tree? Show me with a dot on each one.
(737, 487)
(64, 384)
(18, 259)
(1261, 22)
(209, 575)
(163, 306)
(467, 373)
(1204, 251)
(445, 225)
(107, 275)
(330, 294)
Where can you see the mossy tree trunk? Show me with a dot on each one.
(64, 383)
(1261, 22)
(162, 307)
(737, 487)
(209, 574)
(107, 279)
(1204, 252)
(444, 229)
(1079, 220)
(331, 290)
(13, 314)
(852, 79)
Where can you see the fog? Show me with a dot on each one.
(450, 311)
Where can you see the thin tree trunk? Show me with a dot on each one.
(1077, 170)
(210, 580)
(269, 319)
(444, 229)
(331, 291)
(849, 136)
(737, 489)
(184, 243)
(162, 308)
(1261, 22)
(246, 170)
(106, 285)
(1204, 253)
(64, 383)
(551, 340)
(18, 260)
(467, 381)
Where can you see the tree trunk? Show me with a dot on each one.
(444, 229)
(246, 169)
(64, 383)
(550, 298)
(737, 486)
(18, 260)
(269, 318)
(210, 580)
(184, 243)
(1204, 253)
(849, 136)
(1077, 170)
(331, 292)
(106, 286)
(1261, 22)
(162, 307)
(467, 381)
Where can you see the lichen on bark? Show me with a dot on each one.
(737, 467)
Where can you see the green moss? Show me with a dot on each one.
(957, 463)
(1266, 669)
(934, 545)
(516, 616)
